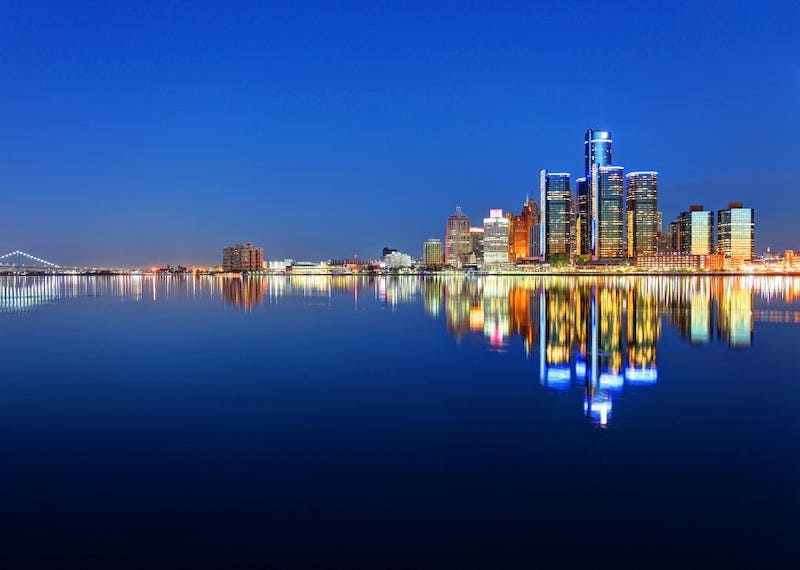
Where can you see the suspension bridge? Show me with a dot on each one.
(18, 261)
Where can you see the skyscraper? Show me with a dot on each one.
(736, 233)
(673, 239)
(456, 241)
(520, 232)
(555, 196)
(433, 253)
(597, 150)
(607, 212)
(597, 154)
(701, 231)
(536, 215)
(476, 244)
(642, 212)
(495, 238)
(582, 217)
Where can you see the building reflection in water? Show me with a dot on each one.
(244, 293)
(597, 333)
(602, 333)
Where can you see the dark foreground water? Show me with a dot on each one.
(399, 422)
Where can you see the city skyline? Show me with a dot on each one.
(131, 153)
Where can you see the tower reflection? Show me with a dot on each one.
(600, 333)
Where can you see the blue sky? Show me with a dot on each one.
(157, 132)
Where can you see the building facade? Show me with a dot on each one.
(608, 212)
(582, 217)
(642, 213)
(495, 238)
(533, 237)
(476, 245)
(242, 257)
(456, 241)
(397, 260)
(679, 262)
(701, 231)
(555, 195)
(736, 233)
(520, 228)
(433, 253)
(597, 154)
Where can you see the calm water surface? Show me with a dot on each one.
(399, 422)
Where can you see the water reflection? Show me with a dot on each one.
(598, 334)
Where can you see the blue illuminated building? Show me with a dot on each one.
(597, 153)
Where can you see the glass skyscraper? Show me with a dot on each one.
(642, 213)
(597, 154)
(597, 150)
(608, 213)
(701, 231)
(736, 232)
(556, 212)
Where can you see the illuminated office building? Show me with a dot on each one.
(495, 238)
(433, 253)
(536, 216)
(456, 241)
(735, 233)
(608, 212)
(520, 228)
(582, 218)
(597, 154)
(476, 245)
(555, 214)
(673, 237)
(242, 257)
(597, 150)
(642, 213)
(700, 231)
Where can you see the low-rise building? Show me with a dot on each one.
(680, 262)
(397, 260)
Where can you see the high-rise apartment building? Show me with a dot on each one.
(433, 253)
(607, 212)
(242, 257)
(456, 241)
(642, 213)
(495, 238)
(555, 195)
(736, 233)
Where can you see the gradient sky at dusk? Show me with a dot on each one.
(157, 132)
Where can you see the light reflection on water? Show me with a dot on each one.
(137, 408)
(597, 333)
